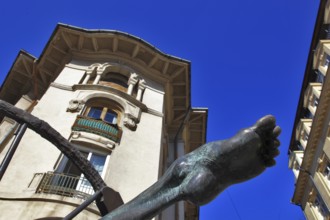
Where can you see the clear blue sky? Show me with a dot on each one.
(248, 59)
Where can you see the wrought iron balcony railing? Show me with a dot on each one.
(62, 184)
(99, 127)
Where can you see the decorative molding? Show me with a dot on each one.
(76, 67)
(133, 79)
(142, 84)
(131, 107)
(129, 64)
(154, 112)
(75, 105)
(61, 86)
(132, 116)
(94, 139)
(109, 93)
(129, 121)
(141, 88)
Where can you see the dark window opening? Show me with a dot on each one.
(115, 80)
(102, 113)
(95, 112)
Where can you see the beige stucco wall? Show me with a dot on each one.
(70, 75)
(35, 154)
(153, 97)
(134, 164)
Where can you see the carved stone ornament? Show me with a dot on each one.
(75, 134)
(92, 138)
(129, 122)
(75, 105)
(133, 79)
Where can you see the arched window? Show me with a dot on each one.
(100, 117)
(115, 80)
(102, 109)
(103, 113)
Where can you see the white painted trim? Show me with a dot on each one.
(77, 67)
(61, 86)
(155, 112)
(106, 164)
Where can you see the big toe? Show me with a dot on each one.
(265, 124)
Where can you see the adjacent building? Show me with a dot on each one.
(309, 149)
(125, 104)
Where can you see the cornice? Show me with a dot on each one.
(69, 42)
(111, 90)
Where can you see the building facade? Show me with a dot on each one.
(309, 149)
(123, 103)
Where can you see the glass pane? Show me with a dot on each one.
(320, 77)
(71, 168)
(98, 162)
(95, 112)
(111, 117)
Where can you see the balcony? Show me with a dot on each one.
(311, 96)
(62, 184)
(302, 131)
(321, 56)
(295, 162)
(99, 127)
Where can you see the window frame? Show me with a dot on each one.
(61, 165)
(83, 185)
(115, 80)
(107, 106)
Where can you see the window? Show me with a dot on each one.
(326, 61)
(95, 112)
(110, 116)
(296, 169)
(325, 168)
(305, 136)
(300, 147)
(115, 80)
(69, 171)
(320, 77)
(308, 114)
(103, 113)
(104, 110)
(327, 171)
(315, 101)
(321, 209)
(101, 117)
(98, 162)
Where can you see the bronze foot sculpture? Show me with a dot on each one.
(201, 175)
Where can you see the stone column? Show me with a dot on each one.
(98, 77)
(88, 76)
(131, 83)
(142, 86)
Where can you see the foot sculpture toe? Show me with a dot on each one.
(268, 131)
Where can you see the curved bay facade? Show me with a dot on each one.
(123, 103)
